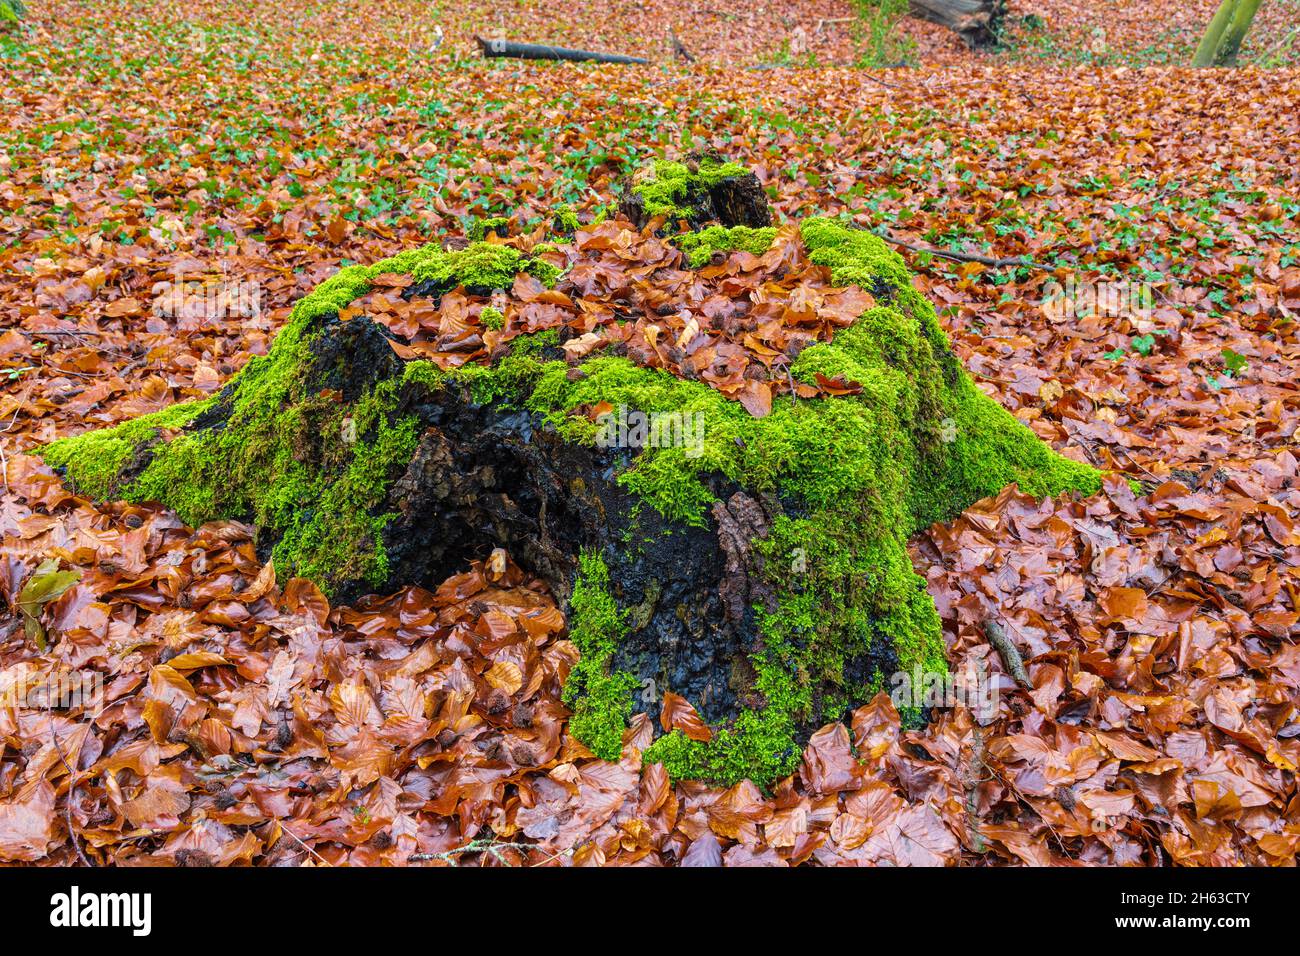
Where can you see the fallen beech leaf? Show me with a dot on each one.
(705, 850)
(47, 583)
(838, 385)
(28, 827)
(125, 306)
(505, 676)
(678, 714)
(828, 761)
(262, 585)
(757, 398)
(1124, 603)
(582, 346)
(196, 660)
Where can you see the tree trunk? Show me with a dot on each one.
(1226, 32)
(976, 21)
(752, 562)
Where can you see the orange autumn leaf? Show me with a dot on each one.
(679, 714)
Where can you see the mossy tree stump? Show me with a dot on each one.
(761, 572)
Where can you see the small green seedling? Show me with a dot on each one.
(1234, 363)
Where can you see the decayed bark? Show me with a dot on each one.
(483, 478)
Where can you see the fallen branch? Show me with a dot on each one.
(973, 774)
(1011, 658)
(825, 20)
(1283, 44)
(975, 21)
(58, 332)
(542, 51)
(489, 847)
(876, 79)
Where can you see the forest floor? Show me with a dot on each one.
(251, 149)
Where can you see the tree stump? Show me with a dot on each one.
(704, 189)
(724, 519)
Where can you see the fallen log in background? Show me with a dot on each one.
(543, 51)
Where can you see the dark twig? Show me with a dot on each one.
(1006, 649)
(876, 79)
(544, 51)
(72, 784)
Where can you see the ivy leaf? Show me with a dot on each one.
(47, 583)
(1234, 362)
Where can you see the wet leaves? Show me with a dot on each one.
(736, 324)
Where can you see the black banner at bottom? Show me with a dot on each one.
(148, 906)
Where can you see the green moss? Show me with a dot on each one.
(492, 318)
(859, 474)
(340, 538)
(700, 246)
(599, 696)
(481, 265)
(425, 374)
(758, 746)
(670, 190)
(855, 257)
(103, 453)
(565, 220)
(304, 466)
(480, 228)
